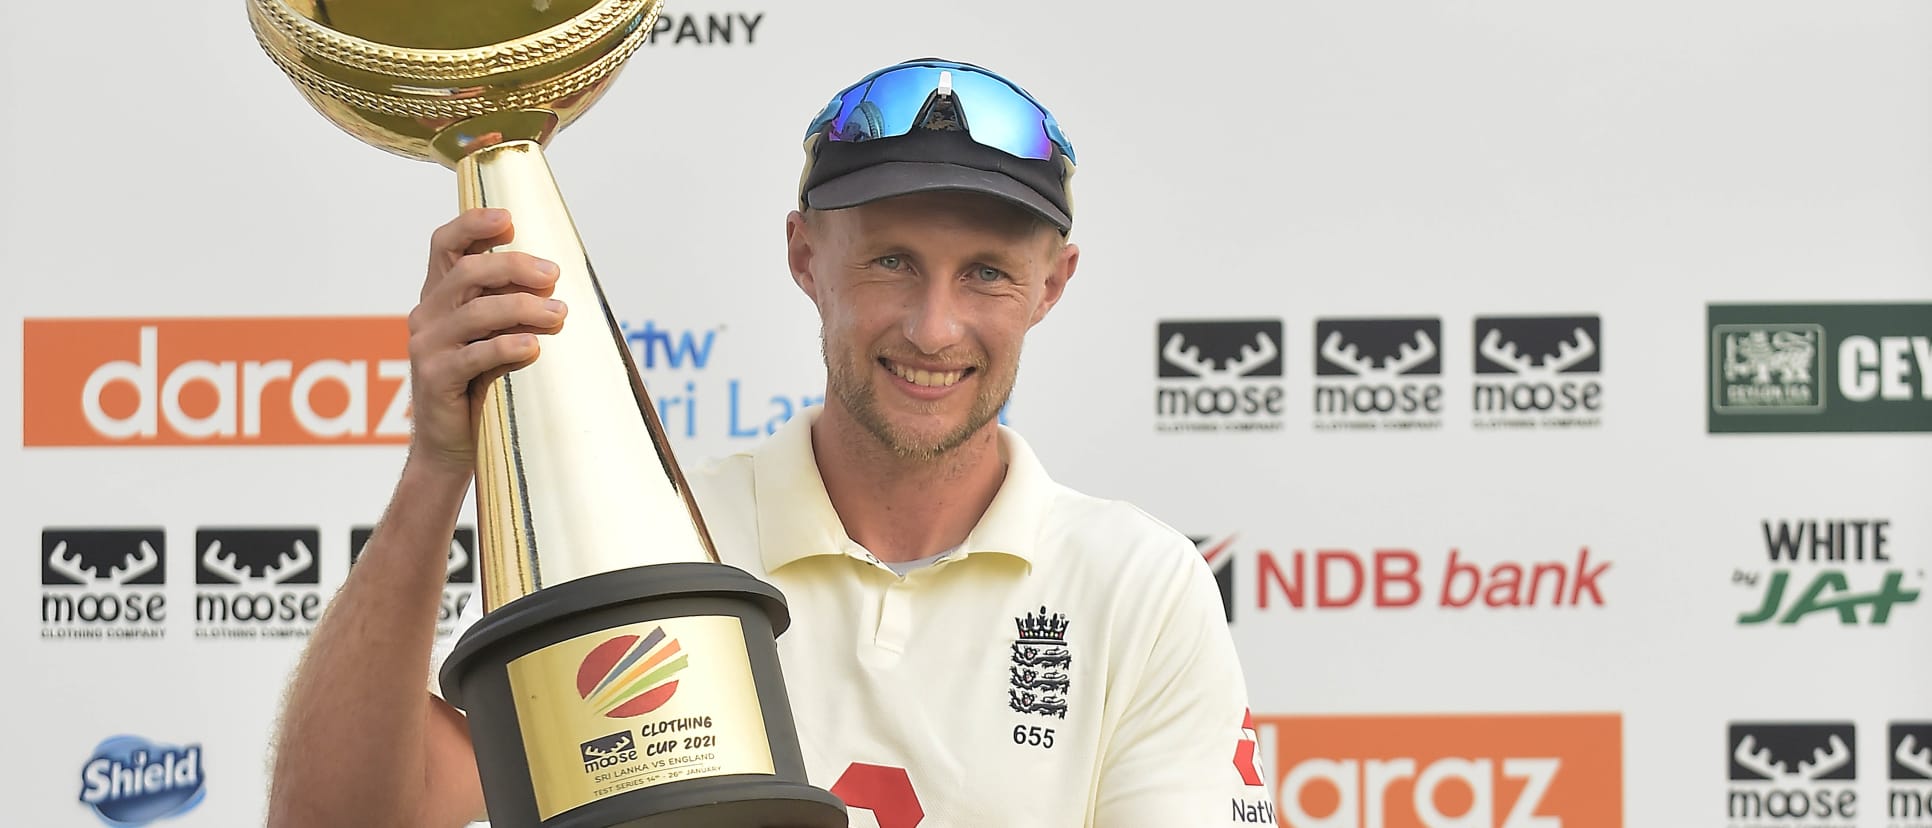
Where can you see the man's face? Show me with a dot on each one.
(924, 301)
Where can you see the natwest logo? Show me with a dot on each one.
(260, 381)
(1525, 771)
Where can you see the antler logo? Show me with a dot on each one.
(1220, 350)
(1911, 751)
(1792, 753)
(1378, 348)
(1538, 346)
(256, 556)
(106, 557)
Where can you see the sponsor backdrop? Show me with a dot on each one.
(1548, 388)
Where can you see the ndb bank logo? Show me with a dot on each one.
(1791, 774)
(1219, 375)
(255, 583)
(1812, 368)
(1908, 801)
(103, 583)
(459, 584)
(1832, 569)
(1378, 373)
(1538, 371)
(130, 781)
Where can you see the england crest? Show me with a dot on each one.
(1041, 665)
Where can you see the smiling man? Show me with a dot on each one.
(972, 644)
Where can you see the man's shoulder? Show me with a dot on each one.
(1113, 533)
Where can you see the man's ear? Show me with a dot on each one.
(798, 252)
(1058, 275)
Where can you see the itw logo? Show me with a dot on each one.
(654, 347)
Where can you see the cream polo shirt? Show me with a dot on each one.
(1069, 664)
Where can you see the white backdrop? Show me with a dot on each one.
(1282, 162)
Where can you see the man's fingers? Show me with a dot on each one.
(496, 356)
(473, 231)
(486, 316)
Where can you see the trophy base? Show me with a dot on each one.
(546, 678)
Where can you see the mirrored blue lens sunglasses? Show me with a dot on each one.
(893, 100)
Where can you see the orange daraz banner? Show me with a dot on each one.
(226, 381)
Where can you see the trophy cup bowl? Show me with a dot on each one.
(621, 675)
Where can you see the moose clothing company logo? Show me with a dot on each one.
(1476, 771)
(631, 675)
(1831, 569)
(1820, 368)
(253, 583)
(1378, 373)
(459, 568)
(1785, 774)
(171, 382)
(103, 583)
(130, 781)
(1908, 801)
(1040, 677)
(1219, 375)
(1538, 371)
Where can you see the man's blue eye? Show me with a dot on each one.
(891, 262)
(991, 274)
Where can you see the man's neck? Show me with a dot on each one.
(899, 508)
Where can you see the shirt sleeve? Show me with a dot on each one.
(1184, 749)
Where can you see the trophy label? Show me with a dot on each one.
(638, 705)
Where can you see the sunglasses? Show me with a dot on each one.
(894, 100)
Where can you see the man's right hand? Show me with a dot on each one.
(476, 320)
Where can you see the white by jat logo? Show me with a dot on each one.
(239, 388)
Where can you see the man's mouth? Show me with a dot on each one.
(924, 377)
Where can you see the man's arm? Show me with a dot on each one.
(1176, 757)
(361, 742)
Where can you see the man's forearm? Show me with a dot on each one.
(350, 747)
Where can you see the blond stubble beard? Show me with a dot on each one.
(860, 397)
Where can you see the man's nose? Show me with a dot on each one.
(933, 323)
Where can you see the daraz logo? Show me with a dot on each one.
(1478, 771)
(254, 381)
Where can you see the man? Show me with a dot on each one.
(972, 644)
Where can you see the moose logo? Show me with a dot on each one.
(1218, 374)
(1543, 358)
(101, 557)
(256, 582)
(102, 583)
(1378, 372)
(1041, 665)
(1782, 772)
(237, 557)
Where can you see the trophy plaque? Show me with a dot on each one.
(621, 675)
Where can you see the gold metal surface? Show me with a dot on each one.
(574, 474)
(396, 73)
(709, 724)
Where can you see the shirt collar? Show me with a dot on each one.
(796, 519)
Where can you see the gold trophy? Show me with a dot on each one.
(620, 676)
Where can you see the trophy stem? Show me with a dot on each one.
(574, 473)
